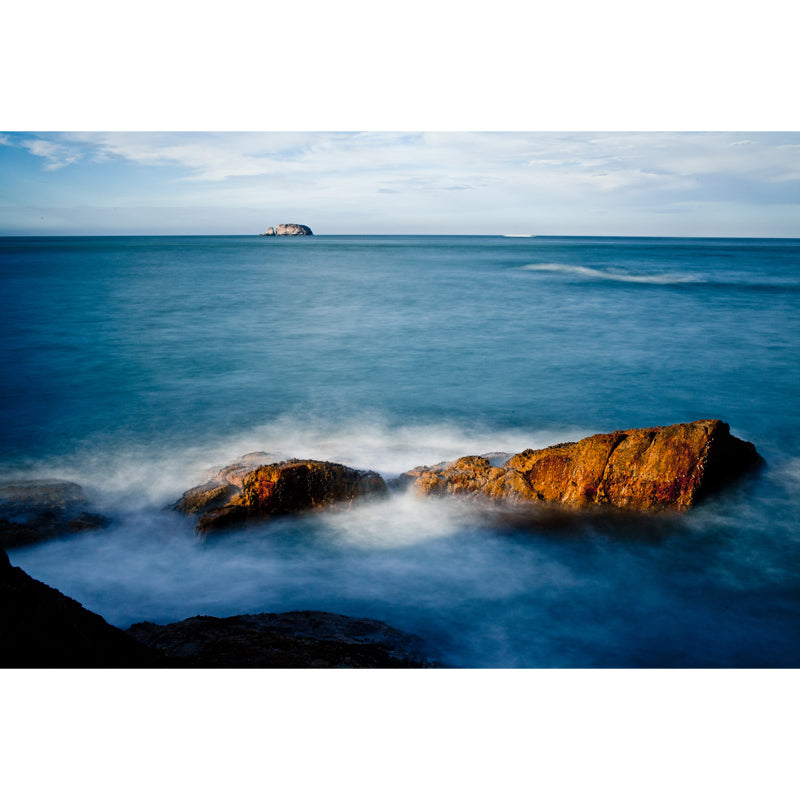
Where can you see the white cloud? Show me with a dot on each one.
(55, 155)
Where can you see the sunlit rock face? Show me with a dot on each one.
(242, 491)
(642, 469)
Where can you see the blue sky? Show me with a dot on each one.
(668, 184)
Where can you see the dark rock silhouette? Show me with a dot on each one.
(297, 639)
(42, 628)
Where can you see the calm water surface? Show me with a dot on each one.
(133, 364)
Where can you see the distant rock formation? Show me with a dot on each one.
(243, 491)
(289, 229)
(643, 469)
(31, 511)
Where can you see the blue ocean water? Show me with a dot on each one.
(134, 364)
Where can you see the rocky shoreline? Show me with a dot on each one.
(42, 628)
(644, 470)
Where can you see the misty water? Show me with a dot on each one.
(132, 365)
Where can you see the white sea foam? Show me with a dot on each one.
(145, 475)
(599, 274)
(400, 521)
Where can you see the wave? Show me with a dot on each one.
(624, 277)
(738, 282)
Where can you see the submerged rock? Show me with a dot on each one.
(642, 469)
(297, 639)
(242, 491)
(35, 510)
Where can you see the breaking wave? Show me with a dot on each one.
(624, 277)
(733, 281)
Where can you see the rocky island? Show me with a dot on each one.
(288, 229)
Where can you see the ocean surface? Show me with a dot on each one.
(132, 365)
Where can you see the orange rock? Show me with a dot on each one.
(643, 469)
(240, 492)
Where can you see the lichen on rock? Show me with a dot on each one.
(642, 469)
(243, 491)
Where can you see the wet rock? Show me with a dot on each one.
(242, 491)
(642, 469)
(298, 639)
(40, 627)
(32, 511)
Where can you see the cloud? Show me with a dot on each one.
(55, 155)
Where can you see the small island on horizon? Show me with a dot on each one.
(288, 229)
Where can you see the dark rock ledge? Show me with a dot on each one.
(42, 628)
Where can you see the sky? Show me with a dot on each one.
(542, 183)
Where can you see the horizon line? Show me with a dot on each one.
(431, 235)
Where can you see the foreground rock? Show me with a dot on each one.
(298, 639)
(243, 492)
(289, 229)
(643, 469)
(32, 511)
(40, 627)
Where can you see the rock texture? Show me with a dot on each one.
(289, 229)
(31, 511)
(298, 639)
(242, 491)
(40, 627)
(643, 469)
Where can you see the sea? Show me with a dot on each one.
(134, 365)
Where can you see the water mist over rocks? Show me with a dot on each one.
(649, 469)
